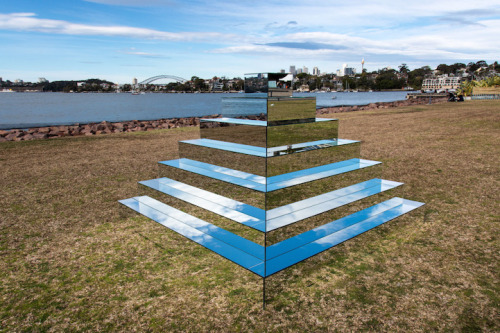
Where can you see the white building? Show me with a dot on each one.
(134, 81)
(442, 82)
(346, 70)
(315, 71)
(305, 70)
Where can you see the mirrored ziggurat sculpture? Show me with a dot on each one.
(268, 194)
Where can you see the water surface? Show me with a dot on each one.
(22, 110)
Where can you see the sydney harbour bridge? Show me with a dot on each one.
(161, 77)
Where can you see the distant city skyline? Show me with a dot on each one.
(117, 40)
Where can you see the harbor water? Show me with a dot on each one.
(23, 110)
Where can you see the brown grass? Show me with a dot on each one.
(70, 261)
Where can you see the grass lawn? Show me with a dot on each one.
(72, 260)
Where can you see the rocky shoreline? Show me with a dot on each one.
(149, 125)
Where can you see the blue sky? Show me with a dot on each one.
(121, 39)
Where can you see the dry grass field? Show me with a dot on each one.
(70, 260)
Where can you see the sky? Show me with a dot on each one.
(118, 40)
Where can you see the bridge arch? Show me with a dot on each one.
(159, 77)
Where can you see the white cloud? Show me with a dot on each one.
(134, 52)
(433, 42)
(29, 22)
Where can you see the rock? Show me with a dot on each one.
(53, 132)
(3, 133)
(40, 135)
(87, 130)
(15, 134)
(101, 127)
(28, 136)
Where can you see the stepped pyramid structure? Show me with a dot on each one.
(268, 194)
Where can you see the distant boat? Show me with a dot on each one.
(7, 91)
(334, 97)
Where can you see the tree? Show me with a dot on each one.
(403, 69)
(481, 63)
(496, 66)
(387, 79)
(456, 67)
(363, 82)
(199, 84)
(472, 67)
(348, 82)
(416, 76)
(444, 69)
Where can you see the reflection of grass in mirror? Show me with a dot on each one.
(291, 108)
(283, 135)
(69, 261)
(243, 162)
(301, 160)
(243, 134)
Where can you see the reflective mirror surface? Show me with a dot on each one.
(269, 185)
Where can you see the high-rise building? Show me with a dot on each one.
(299, 70)
(315, 71)
(346, 71)
(292, 70)
(305, 70)
(134, 81)
(282, 71)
